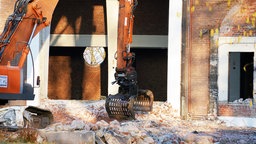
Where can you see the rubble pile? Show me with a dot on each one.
(161, 126)
(66, 111)
(88, 122)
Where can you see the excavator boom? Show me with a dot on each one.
(29, 17)
(129, 98)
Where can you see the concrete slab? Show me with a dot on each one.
(238, 121)
(68, 137)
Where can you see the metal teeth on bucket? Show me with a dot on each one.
(144, 101)
(119, 107)
(122, 107)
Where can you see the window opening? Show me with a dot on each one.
(240, 76)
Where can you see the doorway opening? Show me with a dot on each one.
(240, 83)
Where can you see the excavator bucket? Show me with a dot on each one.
(144, 101)
(120, 107)
(123, 106)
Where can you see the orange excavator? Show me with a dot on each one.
(30, 17)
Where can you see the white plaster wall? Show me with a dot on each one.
(174, 54)
(34, 50)
(112, 24)
(40, 52)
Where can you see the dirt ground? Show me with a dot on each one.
(159, 126)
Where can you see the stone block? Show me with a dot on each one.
(68, 137)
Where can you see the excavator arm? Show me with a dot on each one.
(129, 98)
(29, 17)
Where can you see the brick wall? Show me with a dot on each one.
(215, 18)
(240, 21)
(89, 17)
(239, 110)
(206, 16)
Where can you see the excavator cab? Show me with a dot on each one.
(28, 18)
(129, 99)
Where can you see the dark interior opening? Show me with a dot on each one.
(246, 78)
(151, 67)
(240, 75)
(3, 102)
(66, 66)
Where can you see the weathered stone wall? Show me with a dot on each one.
(205, 20)
(237, 109)
(213, 76)
(239, 22)
(218, 18)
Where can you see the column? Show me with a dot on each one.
(112, 26)
(174, 53)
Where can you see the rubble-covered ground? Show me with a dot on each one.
(160, 126)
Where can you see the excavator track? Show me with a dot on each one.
(122, 106)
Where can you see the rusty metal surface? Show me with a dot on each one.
(122, 106)
(144, 101)
(119, 106)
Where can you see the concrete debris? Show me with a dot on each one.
(102, 124)
(241, 100)
(87, 122)
(199, 139)
(161, 126)
(77, 125)
(8, 117)
(113, 138)
(67, 137)
(36, 117)
(15, 117)
(11, 118)
(244, 122)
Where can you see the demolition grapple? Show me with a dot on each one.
(129, 98)
(124, 106)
